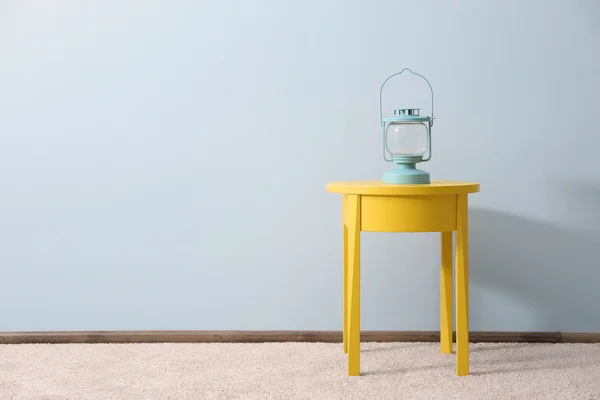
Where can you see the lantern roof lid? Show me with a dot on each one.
(406, 111)
(406, 115)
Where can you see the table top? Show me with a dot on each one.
(378, 188)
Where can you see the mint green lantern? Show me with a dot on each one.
(407, 140)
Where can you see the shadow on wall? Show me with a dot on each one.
(552, 271)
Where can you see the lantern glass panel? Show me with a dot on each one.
(406, 138)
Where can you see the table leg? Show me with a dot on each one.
(446, 294)
(462, 286)
(345, 275)
(353, 214)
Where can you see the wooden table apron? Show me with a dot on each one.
(371, 206)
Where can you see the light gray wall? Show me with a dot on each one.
(163, 164)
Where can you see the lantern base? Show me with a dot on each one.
(406, 174)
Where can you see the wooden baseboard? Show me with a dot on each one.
(281, 336)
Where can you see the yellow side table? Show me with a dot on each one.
(441, 206)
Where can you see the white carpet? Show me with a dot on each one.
(296, 371)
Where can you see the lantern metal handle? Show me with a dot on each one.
(381, 111)
(398, 73)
